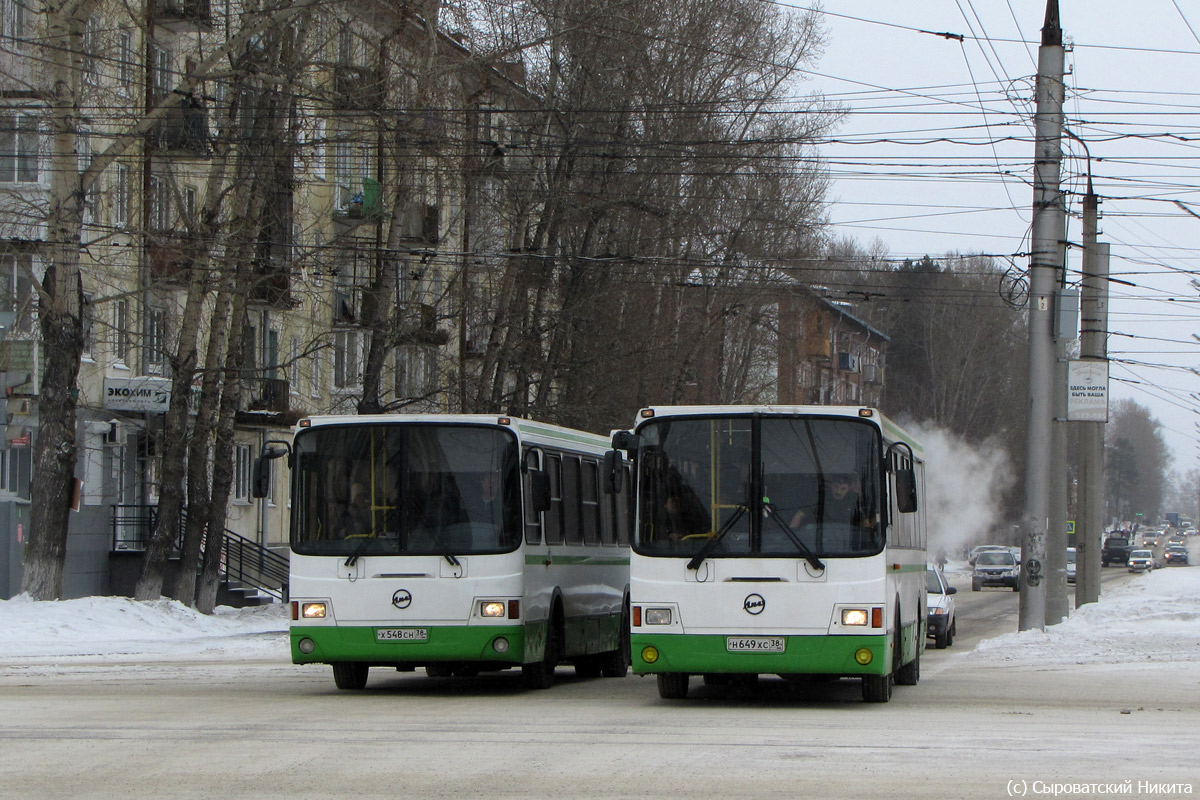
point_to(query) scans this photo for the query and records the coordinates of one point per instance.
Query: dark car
(1176, 555)
(1116, 550)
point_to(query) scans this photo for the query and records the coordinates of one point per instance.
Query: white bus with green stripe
(458, 544)
(776, 540)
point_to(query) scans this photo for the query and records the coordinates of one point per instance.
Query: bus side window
(533, 518)
(554, 517)
(572, 501)
(590, 502)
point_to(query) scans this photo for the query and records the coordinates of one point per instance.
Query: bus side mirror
(539, 490)
(614, 469)
(906, 491)
(624, 440)
(261, 483)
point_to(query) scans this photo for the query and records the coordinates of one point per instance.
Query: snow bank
(119, 626)
(1152, 618)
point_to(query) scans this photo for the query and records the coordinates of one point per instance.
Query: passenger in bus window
(357, 519)
(684, 515)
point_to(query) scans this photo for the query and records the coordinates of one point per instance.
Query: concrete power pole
(1046, 263)
(1089, 527)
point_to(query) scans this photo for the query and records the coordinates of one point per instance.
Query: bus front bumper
(502, 645)
(811, 655)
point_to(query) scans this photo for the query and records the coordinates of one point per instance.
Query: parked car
(940, 605)
(1176, 555)
(983, 548)
(996, 568)
(1141, 561)
(1070, 565)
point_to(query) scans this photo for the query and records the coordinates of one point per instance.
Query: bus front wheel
(672, 685)
(540, 674)
(350, 674)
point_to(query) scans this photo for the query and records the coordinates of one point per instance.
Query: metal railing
(242, 560)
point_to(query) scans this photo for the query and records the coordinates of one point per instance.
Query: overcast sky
(935, 156)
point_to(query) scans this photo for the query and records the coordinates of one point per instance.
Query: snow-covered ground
(1152, 618)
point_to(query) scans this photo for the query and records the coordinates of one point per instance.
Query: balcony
(184, 130)
(266, 394)
(181, 16)
(356, 207)
(356, 89)
(168, 258)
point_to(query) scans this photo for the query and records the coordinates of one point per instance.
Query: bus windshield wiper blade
(809, 555)
(452, 559)
(711, 544)
(358, 551)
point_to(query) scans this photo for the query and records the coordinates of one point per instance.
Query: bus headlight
(500, 644)
(657, 616)
(863, 656)
(650, 655)
(492, 608)
(312, 610)
(855, 616)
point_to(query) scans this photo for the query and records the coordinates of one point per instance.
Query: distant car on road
(1176, 555)
(1116, 550)
(1070, 565)
(983, 548)
(1177, 541)
(1141, 561)
(942, 626)
(996, 568)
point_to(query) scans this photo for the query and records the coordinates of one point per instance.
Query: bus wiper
(712, 543)
(808, 554)
(359, 550)
(452, 559)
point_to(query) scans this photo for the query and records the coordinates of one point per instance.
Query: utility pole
(1089, 527)
(1046, 263)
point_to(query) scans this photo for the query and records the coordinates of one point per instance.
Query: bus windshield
(412, 489)
(786, 486)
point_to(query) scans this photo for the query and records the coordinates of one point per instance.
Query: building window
(120, 199)
(121, 331)
(125, 62)
(88, 312)
(156, 340)
(164, 78)
(241, 473)
(18, 148)
(314, 388)
(13, 17)
(345, 359)
(294, 367)
(416, 371)
(16, 296)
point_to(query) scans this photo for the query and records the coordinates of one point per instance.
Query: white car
(1070, 565)
(943, 626)
(1141, 561)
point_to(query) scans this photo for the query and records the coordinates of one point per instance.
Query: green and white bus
(457, 544)
(776, 540)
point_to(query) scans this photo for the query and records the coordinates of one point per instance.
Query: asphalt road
(268, 729)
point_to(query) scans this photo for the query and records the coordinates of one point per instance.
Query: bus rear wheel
(350, 674)
(672, 685)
